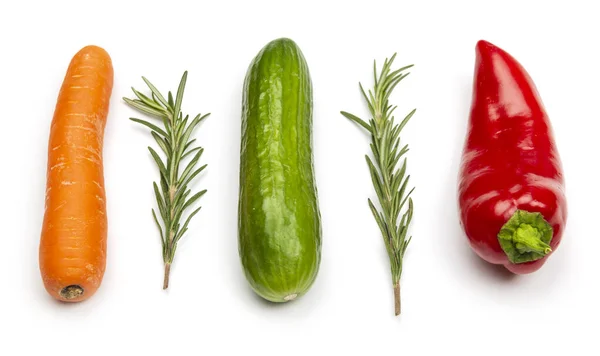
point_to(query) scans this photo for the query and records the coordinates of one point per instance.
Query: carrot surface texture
(72, 253)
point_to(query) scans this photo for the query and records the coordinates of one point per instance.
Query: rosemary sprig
(390, 182)
(173, 196)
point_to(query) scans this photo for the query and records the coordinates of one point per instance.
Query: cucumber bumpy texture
(279, 232)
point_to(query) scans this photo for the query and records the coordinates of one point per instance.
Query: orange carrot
(73, 240)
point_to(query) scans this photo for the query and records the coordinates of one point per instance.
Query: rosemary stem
(167, 273)
(397, 298)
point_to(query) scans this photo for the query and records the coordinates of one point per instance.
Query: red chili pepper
(511, 189)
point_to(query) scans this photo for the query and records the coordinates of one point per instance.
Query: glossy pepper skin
(510, 167)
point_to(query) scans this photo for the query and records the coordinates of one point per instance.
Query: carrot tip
(71, 292)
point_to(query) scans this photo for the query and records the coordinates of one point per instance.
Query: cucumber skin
(279, 232)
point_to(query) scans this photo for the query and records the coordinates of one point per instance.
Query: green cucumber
(279, 230)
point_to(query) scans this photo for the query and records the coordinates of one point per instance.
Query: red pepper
(511, 188)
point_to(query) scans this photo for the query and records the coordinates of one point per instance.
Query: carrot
(72, 252)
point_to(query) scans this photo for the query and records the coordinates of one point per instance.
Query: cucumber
(279, 230)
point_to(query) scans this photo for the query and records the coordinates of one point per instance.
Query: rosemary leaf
(150, 125)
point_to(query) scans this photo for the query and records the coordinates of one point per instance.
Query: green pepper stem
(528, 239)
(525, 237)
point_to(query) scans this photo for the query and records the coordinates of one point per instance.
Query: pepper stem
(529, 239)
(525, 237)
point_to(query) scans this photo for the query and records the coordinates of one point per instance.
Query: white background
(452, 301)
